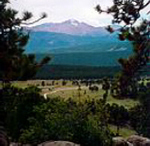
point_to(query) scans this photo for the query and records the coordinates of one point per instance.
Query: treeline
(75, 72)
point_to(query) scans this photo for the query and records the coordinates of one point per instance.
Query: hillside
(68, 45)
(85, 58)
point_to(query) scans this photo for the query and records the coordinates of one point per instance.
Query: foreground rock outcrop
(119, 141)
(49, 143)
(133, 140)
(58, 143)
(139, 141)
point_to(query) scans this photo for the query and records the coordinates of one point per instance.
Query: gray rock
(58, 143)
(146, 143)
(139, 140)
(119, 141)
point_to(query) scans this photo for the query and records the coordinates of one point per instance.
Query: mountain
(71, 27)
(77, 43)
(48, 42)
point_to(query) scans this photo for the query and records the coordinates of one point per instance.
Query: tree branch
(44, 15)
(145, 4)
(30, 23)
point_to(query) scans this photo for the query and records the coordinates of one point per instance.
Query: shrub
(67, 120)
(18, 106)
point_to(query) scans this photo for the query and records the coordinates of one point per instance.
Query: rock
(14, 144)
(58, 143)
(3, 142)
(139, 140)
(3, 138)
(133, 140)
(119, 141)
(146, 143)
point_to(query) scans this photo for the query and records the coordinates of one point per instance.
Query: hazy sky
(61, 10)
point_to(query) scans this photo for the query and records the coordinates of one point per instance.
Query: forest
(75, 72)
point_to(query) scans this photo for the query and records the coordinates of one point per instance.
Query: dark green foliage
(140, 115)
(29, 118)
(75, 72)
(119, 116)
(98, 59)
(64, 83)
(128, 12)
(83, 123)
(140, 120)
(93, 88)
(14, 64)
(17, 107)
(43, 83)
(125, 10)
(105, 84)
(144, 97)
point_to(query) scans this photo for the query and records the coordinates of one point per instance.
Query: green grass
(124, 131)
(80, 96)
(128, 103)
(74, 94)
(20, 84)
(24, 84)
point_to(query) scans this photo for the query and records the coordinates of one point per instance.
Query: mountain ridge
(71, 27)
(77, 44)
(44, 42)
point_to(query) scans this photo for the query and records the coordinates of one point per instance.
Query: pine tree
(14, 63)
(127, 12)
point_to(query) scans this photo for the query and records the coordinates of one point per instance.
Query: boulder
(58, 143)
(139, 140)
(119, 141)
(3, 138)
(146, 143)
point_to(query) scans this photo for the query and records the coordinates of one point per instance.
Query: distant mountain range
(71, 27)
(71, 37)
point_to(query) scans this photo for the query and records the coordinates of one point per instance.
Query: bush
(119, 116)
(67, 120)
(140, 115)
(17, 108)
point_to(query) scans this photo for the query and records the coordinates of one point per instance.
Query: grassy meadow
(55, 88)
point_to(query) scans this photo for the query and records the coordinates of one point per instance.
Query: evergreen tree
(14, 63)
(127, 12)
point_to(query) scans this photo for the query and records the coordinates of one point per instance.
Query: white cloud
(61, 10)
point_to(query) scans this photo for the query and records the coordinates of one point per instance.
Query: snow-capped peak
(73, 22)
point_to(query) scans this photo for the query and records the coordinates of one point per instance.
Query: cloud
(61, 10)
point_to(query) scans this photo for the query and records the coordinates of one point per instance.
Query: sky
(61, 10)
